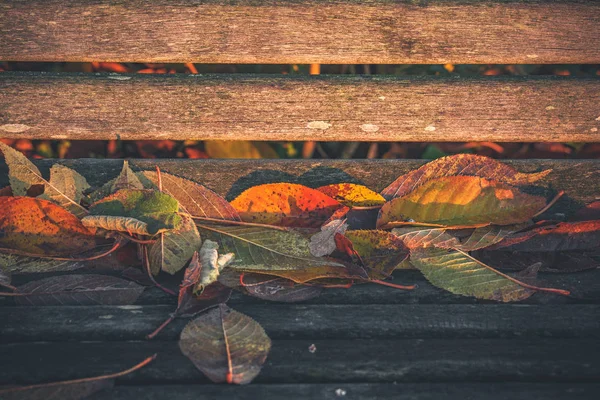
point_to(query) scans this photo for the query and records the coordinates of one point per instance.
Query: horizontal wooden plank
(578, 178)
(584, 286)
(363, 391)
(284, 321)
(302, 31)
(341, 361)
(236, 107)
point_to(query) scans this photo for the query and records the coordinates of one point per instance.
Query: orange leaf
(41, 227)
(285, 204)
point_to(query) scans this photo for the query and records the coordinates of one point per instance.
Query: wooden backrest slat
(266, 107)
(301, 31)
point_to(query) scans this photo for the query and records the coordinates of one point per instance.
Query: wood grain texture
(339, 360)
(363, 391)
(251, 107)
(298, 321)
(302, 31)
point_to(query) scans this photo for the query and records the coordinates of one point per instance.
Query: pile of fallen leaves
(281, 242)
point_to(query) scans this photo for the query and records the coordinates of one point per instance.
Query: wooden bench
(372, 342)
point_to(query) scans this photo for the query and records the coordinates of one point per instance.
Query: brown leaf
(225, 345)
(173, 249)
(416, 237)
(462, 201)
(285, 204)
(79, 290)
(460, 164)
(42, 228)
(194, 198)
(75, 389)
(381, 252)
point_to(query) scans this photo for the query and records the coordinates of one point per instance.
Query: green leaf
(275, 252)
(381, 251)
(461, 201)
(147, 211)
(172, 250)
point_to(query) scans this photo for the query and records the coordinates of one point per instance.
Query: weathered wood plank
(363, 391)
(302, 31)
(102, 106)
(578, 178)
(284, 321)
(341, 361)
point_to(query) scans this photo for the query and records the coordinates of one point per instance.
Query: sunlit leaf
(323, 243)
(173, 249)
(146, 212)
(275, 252)
(126, 179)
(194, 198)
(461, 201)
(89, 289)
(285, 204)
(461, 274)
(225, 345)
(238, 149)
(40, 227)
(66, 188)
(380, 251)
(415, 237)
(353, 195)
(460, 164)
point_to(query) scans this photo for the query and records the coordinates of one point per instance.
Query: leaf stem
(554, 200)
(162, 326)
(384, 283)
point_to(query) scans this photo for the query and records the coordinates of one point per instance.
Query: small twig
(152, 335)
(552, 202)
(6, 285)
(384, 283)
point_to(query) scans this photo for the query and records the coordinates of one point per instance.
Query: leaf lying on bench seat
(225, 345)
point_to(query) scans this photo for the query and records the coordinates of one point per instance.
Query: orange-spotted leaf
(460, 164)
(227, 346)
(40, 227)
(380, 251)
(353, 195)
(461, 201)
(285, 204)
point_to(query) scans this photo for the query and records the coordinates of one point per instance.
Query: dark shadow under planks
(302, 31)
(350, 361)
(283, 321)
(363, 391)
(330, 108)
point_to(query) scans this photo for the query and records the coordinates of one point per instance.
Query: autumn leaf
(22, 174)
(323, 243)
(5, 275)
(238, 149)
(127, 179)
(225, 345)
(564, 236)
(144, 212)
(86, 289)
(415, 237)
(274, 252)
(460, 165)
(75, 389)
(461, 201)
(380, 251)
(39, 227)
(285, 204)
(212, 263)
(353, 195)
(458, 273)
(194, 198)
(173, 249)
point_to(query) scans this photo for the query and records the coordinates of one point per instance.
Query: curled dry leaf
(66, 188)
(173, 249)
(381, 252)
(461, 274)
(353, 195)
(225, 345)
(89, 289)
(285, 204)
(460, 165)
(195, 199)
(39, 227)
(323, 243)
(75, 389)
(211, 264)
(461, 201)
(144, 212)
(273, 252)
